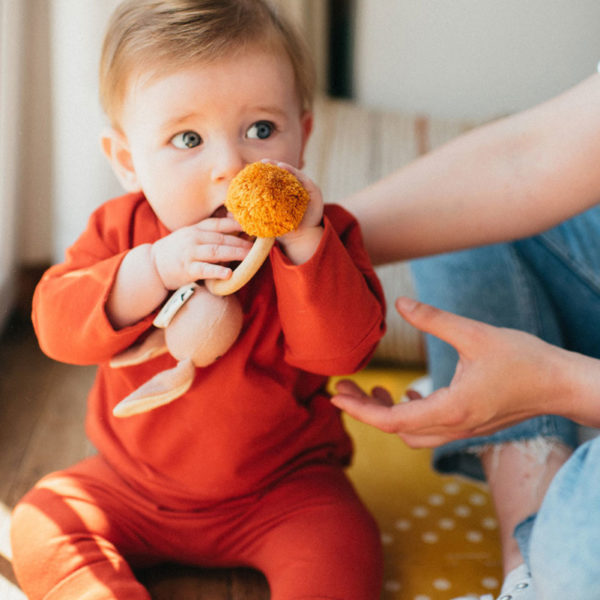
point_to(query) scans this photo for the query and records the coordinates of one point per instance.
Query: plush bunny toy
(200, 323)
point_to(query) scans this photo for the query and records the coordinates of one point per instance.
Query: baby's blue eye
(186, 139)
(261, 130)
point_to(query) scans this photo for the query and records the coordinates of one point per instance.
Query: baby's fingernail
(221, 272)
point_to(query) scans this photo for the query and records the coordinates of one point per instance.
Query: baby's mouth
(220, 213)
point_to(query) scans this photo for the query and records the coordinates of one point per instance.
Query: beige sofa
(353, 146)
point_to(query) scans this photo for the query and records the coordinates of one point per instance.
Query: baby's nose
(228, 162)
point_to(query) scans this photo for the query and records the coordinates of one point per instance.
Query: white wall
(82, 178)
(472, 58)
(11, 21)
(64, 175)
(35, 185)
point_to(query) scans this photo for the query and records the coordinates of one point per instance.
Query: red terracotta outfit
(246, 468)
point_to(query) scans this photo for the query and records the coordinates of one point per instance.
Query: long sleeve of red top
(258, 411)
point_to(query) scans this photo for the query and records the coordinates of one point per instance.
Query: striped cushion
(353, 146)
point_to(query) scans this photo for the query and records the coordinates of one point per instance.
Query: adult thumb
(447, 326)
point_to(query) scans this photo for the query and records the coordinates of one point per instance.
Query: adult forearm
(509, 179)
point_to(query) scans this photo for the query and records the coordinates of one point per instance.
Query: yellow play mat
(439, 533)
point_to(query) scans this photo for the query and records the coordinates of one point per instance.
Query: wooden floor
(42, 406)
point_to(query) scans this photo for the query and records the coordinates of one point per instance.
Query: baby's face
(192, 130)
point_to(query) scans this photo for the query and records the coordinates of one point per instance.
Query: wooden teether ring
(244, 272)
(267, 201)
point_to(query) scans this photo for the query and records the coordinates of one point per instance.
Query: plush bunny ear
(153, 345)
(163, 388)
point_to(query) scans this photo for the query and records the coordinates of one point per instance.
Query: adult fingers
(347, 387)
(424, 441)
(431, 416)
(368, 410)
(413, 394)
(453, 329)
(382, 395)
(390, 419)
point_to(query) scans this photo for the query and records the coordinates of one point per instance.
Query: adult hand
(503, 376)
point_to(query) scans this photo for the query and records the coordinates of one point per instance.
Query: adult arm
(509, 179)
(503, 376)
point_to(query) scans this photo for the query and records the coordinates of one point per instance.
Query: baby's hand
(300, 244)
(314, 212)
(195, 252)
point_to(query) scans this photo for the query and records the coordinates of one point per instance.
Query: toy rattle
(199, 323)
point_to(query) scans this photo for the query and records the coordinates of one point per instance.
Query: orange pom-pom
(266, 200)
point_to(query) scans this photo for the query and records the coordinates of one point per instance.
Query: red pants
(77, 532)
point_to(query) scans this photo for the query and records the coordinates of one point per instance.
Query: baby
(247, 467)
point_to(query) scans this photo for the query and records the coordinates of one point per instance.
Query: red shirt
(259, 411)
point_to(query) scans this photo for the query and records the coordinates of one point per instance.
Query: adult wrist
(579, 389)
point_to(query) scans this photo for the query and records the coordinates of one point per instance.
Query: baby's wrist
(154, 266)
(300, 245)
(136, 291)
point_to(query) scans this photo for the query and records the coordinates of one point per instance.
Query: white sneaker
(517, 586)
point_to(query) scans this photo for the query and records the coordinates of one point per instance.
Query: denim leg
(564, 550)
(567, 260)
(548, 285)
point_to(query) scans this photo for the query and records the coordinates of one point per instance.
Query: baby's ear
(116, 149)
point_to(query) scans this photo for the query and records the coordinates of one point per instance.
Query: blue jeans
(564, 543)
(547, 285)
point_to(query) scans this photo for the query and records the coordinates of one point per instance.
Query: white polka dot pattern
(439, 534)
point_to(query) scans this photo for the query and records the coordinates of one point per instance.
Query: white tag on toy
(174, 303)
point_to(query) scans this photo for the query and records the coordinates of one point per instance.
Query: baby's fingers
(220, 225)
(307, 183)
(219, 253)
(215, 238)
(205, 260)
(204, 270)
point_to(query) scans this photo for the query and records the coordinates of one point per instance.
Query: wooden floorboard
(42, 404)
(42, 411)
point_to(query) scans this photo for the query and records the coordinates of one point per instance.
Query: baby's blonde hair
(159, 36)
